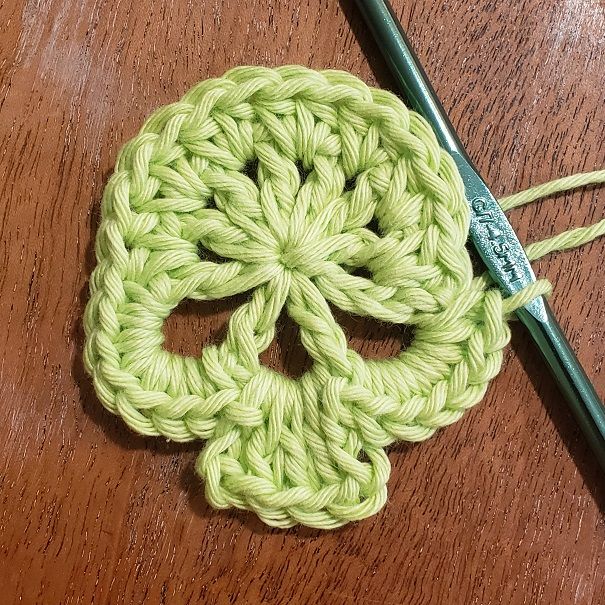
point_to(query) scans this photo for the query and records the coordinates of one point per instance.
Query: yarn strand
(571, 238)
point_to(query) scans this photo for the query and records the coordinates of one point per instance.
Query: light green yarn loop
(220, 172)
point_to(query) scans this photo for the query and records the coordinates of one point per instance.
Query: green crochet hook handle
(490, 231)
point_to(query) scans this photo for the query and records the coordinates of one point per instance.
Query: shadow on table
(558, 411)
(112, 426)
(368, 46)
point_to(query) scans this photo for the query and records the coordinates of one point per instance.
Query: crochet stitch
(219, 171)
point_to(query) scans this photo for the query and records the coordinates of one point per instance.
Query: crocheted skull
(310, 450)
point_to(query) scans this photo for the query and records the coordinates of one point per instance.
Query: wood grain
(503, 507)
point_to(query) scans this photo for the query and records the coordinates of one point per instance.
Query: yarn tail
(572, 238)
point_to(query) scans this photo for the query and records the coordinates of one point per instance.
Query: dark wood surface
(503, 507)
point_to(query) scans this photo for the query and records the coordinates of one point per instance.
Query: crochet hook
(490, 232)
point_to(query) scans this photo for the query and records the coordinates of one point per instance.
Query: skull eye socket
(195, 324)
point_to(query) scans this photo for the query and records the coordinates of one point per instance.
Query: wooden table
(502, 507)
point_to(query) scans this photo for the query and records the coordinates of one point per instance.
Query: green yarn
(311, 450)
(569, 239)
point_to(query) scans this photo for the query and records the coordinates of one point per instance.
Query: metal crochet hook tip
(490, 232)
